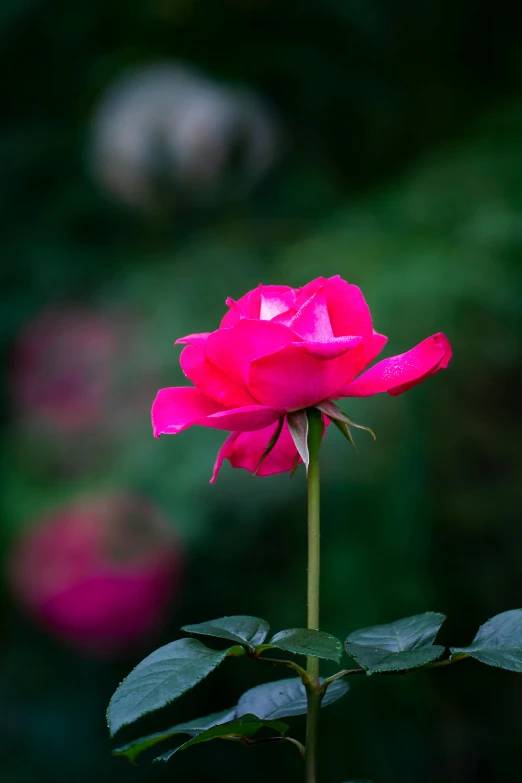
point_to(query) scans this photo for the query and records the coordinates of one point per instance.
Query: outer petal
(378, 343)
(400, 373)
(212, 381)
(177, 408)
(193, 339)
(290, 379)
(246, 419)
(224, 452)
(245, 449)
(232, 350)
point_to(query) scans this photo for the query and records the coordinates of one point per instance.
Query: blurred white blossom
(166, 129)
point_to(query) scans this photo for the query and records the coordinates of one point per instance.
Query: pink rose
(100, 573)
(278, 350)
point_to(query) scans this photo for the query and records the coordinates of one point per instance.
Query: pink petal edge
(193, 339)
(177, 408)
(400, 373)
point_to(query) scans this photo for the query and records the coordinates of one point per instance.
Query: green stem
(313, 689)
(393, 672)
(291, 664)
(312, 731)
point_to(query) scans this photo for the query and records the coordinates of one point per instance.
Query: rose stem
(315, 434)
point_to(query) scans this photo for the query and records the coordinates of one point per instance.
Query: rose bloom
(282, 349)
(99, 573)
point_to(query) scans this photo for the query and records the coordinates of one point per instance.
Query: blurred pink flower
(62, 367)
(282, 349)
(99, 573)
(79, 373)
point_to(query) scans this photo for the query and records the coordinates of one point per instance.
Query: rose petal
(224, 452)
(245, 449)
(378, 343)
(193, 339)
(177, 408)
(235, 314)
(290, 379)
(232, 350)
(245, 419)
(400, 373)
(312, 321)
(331, 349)
(349, 313)
(263, 303)
(309, 290)
(276, 301)
(211, 380)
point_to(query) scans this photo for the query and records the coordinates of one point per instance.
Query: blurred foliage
(403, 173)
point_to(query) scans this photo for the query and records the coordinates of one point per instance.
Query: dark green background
(403, 173)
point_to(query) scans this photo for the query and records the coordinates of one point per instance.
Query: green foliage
(403, 644)
(303, 641)
(193, 727)
(244, 727)
(175, 668)
(257, 708)
(160, 678)
(242, 629)
(497, 643)
(395, 647)
(284, 698)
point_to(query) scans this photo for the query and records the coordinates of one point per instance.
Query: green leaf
(284, 698)
(245, 726)
(404, 644)
(241, 628)
(298, 426)
(160, 678)
(498, 642)
(304, 641)
(338, 417)
(135, 748)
